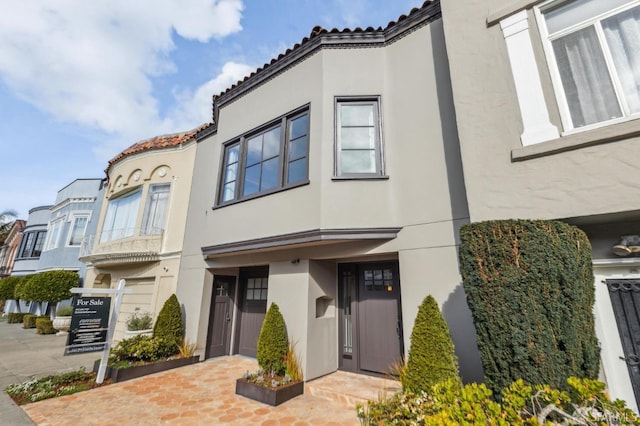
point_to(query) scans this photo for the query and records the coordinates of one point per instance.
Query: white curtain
(120, 218)
(587, 85)
(586, 78)
(622, 32)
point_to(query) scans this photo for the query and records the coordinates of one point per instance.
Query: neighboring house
(547, 97)
(74, 215)
(30, 249)
(32, 241)
(331, 184)
(141, 223)
(10, 247)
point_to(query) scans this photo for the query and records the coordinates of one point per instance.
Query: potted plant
(139, 323)
(62, 321)
(280, 376)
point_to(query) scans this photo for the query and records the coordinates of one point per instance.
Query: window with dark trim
(31, 244)
(273, 157)
(358, 138)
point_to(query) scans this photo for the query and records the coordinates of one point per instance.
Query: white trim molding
(533, 109)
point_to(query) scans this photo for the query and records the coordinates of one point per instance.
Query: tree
(530, 288)
(8, 289)
(272, 342)
(431, 358)
(169, 323)
(7, 218)
(49, 286)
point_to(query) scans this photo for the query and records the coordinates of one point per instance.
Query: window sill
(603, 135)
(342, 178)
(260, 195)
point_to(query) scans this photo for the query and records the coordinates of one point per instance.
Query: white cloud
(91, 62)
(195, 106)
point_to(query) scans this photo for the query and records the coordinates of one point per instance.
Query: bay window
(155, 211)
(266, 160)
(121, 216)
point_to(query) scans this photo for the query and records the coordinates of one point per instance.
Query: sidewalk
(25, 355)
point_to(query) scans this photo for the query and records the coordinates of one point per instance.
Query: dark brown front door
(625, 298)
(253, 307)
(219, 337)
(371, 324)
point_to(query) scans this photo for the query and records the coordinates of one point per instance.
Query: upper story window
(53, 236)
(121, 216)
(595, 46)
(358, 138)
(31, 244)
(155, 210)
(78, 226)
(271, 158)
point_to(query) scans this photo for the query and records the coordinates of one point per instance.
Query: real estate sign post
(90, 331)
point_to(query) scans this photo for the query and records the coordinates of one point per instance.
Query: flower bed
(52, 386)
(269, 390)
(120, 372)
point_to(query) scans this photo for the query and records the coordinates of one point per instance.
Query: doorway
(625, 298)
(252, 308)
(219, 335)
(370, 317)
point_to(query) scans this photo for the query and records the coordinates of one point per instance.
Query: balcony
(122, 246)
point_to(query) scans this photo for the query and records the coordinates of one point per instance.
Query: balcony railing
(122, 246)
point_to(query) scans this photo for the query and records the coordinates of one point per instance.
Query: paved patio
(204, 393)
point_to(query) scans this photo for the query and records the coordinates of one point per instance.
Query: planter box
(268, 395)
(128, 373)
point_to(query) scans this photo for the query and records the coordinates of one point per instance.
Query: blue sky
(82, 80)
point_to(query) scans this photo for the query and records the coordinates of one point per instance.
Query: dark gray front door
(253, 307)
(625, 298)
(219, 338)
(371, 324)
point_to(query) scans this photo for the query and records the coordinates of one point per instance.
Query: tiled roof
(158, 142)
(319, 31)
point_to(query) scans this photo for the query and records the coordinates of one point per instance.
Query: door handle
(631, 360)
(228, 318)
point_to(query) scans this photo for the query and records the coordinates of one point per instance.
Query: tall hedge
(272, 342)
(169, 323)
(530, 288)
(431, 357)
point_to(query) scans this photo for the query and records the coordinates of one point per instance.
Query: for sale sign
(89, 325)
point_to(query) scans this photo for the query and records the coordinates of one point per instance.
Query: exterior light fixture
(628, 244)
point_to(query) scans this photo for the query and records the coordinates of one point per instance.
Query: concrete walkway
(25, 355)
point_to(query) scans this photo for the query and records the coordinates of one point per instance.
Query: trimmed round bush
(530, 287)
(45, 326)
(431, 357)
(8, 286)
(50, 286)
(272, 342)
(169, 323)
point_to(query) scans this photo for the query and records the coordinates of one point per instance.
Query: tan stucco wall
(177, 164)
(593, 180)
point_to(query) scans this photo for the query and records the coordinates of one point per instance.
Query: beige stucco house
(331, 184)
(547, 99)
(142, 222)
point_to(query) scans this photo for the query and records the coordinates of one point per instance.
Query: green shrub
(52, 386)
(29, 321)
(169, 323)
(530, 288)
(15, 318)
(64, 311)
(272, 342)
(431, 357)
(45, 326)
(143, 348)
(140, 321)
(448, 403)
